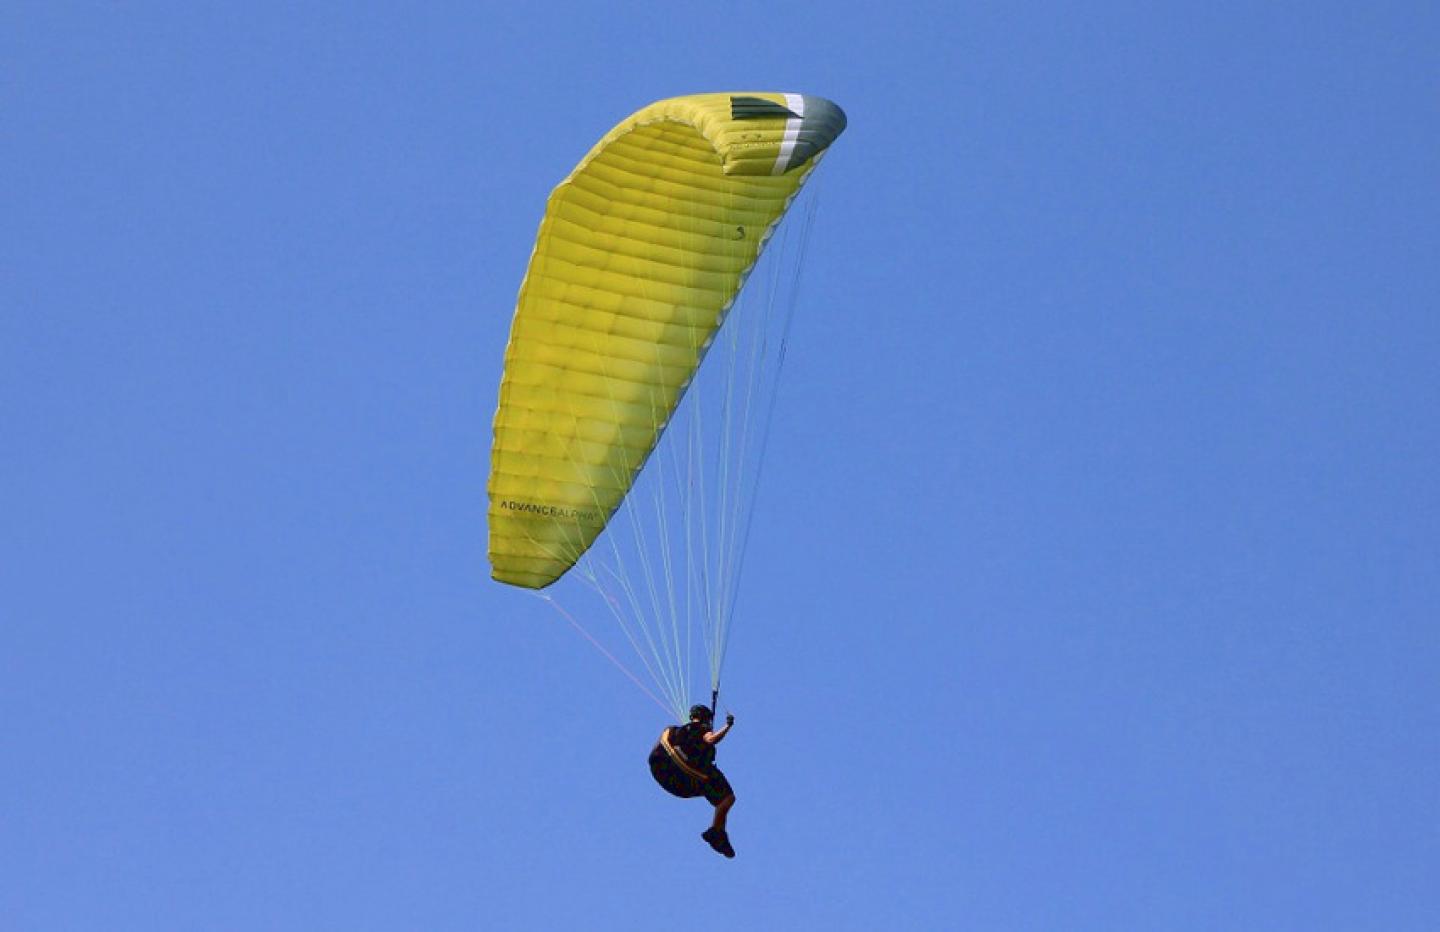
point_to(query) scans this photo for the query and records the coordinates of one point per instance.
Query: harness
(678, 757)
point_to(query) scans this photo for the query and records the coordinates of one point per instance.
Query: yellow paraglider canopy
(641, 252)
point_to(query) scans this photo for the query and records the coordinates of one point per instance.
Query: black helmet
(701, 712)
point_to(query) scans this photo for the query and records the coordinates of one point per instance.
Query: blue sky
(1094, 578)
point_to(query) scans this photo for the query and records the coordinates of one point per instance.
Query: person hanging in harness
(683, 762)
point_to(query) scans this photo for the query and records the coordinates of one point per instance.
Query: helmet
(701, 712)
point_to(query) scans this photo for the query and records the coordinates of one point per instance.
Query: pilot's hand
(729, 719)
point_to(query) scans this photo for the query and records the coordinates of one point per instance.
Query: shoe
(717, 839)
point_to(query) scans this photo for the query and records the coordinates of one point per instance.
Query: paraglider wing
(641, 252)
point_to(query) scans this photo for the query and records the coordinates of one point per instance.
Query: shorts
(677, 782)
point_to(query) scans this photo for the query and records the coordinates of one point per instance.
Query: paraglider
(641, 255)
(683, 763)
